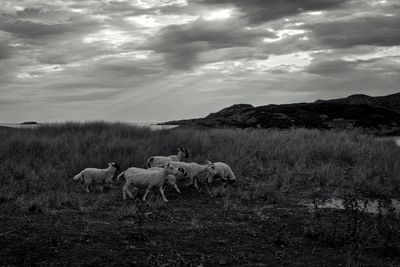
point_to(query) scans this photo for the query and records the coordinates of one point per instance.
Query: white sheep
(193, 170)
(223, 171)
(148, 178)
(157, 161)
(97, 176)
(171, 180)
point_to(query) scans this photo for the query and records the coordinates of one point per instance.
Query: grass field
(257, 220)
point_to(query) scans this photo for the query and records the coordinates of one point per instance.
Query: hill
(389, 101)
(378, 115)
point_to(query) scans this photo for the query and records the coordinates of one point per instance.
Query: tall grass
(43, 160)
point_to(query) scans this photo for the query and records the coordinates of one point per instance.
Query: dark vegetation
(375, 115)
(47, 218)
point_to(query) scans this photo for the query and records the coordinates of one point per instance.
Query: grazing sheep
(97, 176)
(157, 161)
(148, 178)
(223, 171)
(193, 170)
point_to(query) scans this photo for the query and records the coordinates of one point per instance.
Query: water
(17, 125)
(152, 126)
(365, 205)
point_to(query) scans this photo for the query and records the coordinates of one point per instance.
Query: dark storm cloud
(6, 51)
(259, 11)
(26, 29)
(354, 68)
(181, 44)
(369, 30)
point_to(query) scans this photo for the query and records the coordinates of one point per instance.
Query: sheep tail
(120, 175)
(78, 176)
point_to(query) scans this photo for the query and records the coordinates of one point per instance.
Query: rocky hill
(379, 115)
(389, 101)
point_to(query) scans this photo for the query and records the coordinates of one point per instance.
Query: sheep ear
(168, 164)
(209, 162)
(116, 165)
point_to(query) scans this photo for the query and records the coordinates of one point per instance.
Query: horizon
(157, 61)
(156, 122)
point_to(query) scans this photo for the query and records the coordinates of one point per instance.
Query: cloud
(27, 29)
(368, 30)
(334, 67)
(260, 11)
(181, 44)
(88, 97)
(6, 51)
(348, 68)
(127, 60)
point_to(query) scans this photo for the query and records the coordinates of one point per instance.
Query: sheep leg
(125, 191)
(173, 183)
(208, 188)
(190, 181)
(209, 178)
(195, 184)
(177, 189)
(85, 187)
(162, 194)
(145, 194)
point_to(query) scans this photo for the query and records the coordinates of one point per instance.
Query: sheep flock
(160, 170)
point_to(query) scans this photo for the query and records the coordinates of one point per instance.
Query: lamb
(222, 170)
(157, 161)
(97, 176)
(148, 178)
(193, 170)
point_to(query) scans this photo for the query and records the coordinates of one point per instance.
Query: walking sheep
(223, 171)
(193, 170)
(148, 178)
(157, 161)
(96, 176)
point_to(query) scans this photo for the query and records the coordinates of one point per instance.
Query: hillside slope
(377, 114)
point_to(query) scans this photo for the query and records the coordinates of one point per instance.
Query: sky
(159, 60)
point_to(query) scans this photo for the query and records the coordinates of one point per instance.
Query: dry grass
(41, 162)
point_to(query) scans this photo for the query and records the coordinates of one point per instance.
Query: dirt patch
(190, 230)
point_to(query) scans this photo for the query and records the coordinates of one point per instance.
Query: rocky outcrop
(375, 114)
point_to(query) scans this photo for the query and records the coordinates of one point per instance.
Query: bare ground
(190, 230)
